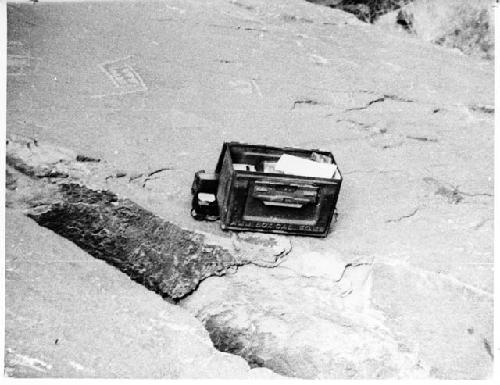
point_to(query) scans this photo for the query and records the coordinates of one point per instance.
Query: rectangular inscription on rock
(123, 76)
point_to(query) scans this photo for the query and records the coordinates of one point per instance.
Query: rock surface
(410, 125)
(306, 327)
(159, 254)
(70, 315)
(450, 323)
(365, 319)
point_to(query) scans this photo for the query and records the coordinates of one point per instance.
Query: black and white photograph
(266, 190)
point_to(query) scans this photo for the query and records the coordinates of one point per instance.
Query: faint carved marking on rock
(18, 65)
(123, 76)
(17, 48)
(13, 44)
(19, 60)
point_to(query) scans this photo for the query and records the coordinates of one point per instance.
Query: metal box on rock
(260, 199)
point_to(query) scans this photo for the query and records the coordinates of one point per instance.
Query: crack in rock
(394, 145)
(379, 100)
(305, 324)
(309, 102)
(452, 193)
(84, 158)
(422, 138)
(403, 216)
(373, 171)
(238, 27)
(488, 349)
(147, 176)
(306, 327)
(118, 174)
(483, 108)
(482, 223)
(364, 126)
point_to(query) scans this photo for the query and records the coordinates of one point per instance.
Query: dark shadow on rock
(365, 10)
(158, 254)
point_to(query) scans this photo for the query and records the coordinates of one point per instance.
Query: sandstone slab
(71, 315)
(159, 254)
(307, 326)
(411, 124)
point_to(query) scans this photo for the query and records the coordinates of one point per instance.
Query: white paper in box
(294, 165)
